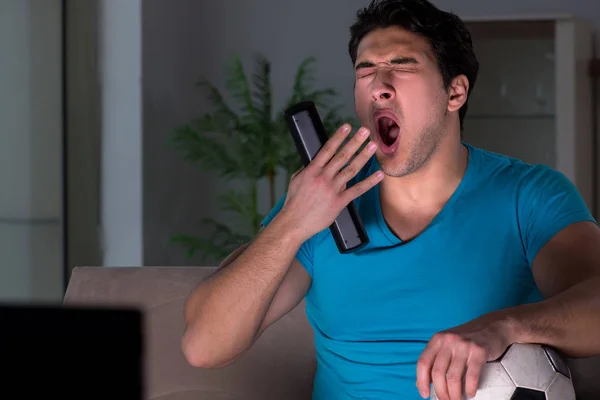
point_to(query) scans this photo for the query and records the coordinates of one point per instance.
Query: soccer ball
(524, 372)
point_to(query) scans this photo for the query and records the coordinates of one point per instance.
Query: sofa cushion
(279, 366)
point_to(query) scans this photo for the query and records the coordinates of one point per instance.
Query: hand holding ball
(525, 372)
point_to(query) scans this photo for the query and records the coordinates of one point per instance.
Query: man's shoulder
(530, 185)
(505, 171)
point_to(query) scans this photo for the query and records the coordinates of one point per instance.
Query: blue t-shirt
(373, 311)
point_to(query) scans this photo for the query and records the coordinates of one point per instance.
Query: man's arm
(253, 287)
(561, 242)
(228, 311)
(567, 272)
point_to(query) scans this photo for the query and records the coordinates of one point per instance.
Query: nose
(382, 94)
(382, 89)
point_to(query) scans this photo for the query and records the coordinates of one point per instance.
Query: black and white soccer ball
(525, 372)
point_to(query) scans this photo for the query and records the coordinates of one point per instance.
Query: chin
(391, 167)
(394, 167)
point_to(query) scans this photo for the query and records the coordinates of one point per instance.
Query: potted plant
(247, 144)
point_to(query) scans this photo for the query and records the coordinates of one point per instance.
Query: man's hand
(461, 352)
(318, 193)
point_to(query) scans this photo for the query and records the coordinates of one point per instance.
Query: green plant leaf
(303, 81)
(238, 203)
(290, 162)
(221, 241)
(239, 87)
(195, 245)
(262, 93)
(250, 143)
(207, 152)
(223, 111)
(224, 235)
(322, 98)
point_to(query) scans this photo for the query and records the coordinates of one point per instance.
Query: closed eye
(365, 72)
(401, 64)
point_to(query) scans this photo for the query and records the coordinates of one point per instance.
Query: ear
(458, 92)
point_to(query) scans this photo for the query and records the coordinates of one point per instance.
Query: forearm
(199, 295)
(568, 321)
(227, 309)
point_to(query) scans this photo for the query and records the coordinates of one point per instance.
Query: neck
(433, 184)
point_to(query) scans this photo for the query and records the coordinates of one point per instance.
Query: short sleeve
(547, 203)
(305, 253)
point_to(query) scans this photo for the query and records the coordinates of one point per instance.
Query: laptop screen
(71, 352)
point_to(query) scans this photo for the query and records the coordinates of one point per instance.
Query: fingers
(424, 365)
(443, 364)
(362, 187)
(357, 163)
(346, 153)
(438, 372)
(475, 364)
(330, 147)
(455, 374)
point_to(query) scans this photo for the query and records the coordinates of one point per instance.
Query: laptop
(71, 352)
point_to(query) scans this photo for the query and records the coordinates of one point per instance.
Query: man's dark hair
(446, 33)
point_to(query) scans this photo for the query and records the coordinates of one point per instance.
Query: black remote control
(309, 136)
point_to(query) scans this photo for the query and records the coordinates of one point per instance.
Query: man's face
(399, 95)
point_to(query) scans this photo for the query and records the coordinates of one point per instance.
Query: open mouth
(388, 130)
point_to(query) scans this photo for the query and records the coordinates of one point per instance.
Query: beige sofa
(280, 365)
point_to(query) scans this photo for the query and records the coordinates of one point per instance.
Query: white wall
(121, 171)
(30, 150)
(184, 39)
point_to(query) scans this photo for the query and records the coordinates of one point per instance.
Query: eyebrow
(396, 61)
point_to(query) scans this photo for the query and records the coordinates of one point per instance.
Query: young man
(469, 251)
